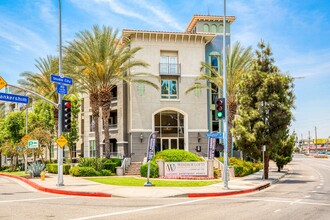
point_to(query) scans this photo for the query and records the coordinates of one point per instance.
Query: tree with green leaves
(13, 129)
(265, 101)
(282, 154)
(101, 61)
(238, 64)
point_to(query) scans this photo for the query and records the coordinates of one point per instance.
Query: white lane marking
(321, 184)
(277, 210)
(296, 201)
(142, 209)
(314, 191)
(318, 187)
(280, 201)
(307, 196)
(37, 199)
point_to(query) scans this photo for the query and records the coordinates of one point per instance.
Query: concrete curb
(58, 191)
(228, 193)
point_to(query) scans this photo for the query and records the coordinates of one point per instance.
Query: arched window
(206, 28)
(213, 28)
(170, 127)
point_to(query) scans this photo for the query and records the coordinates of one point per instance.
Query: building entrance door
(169, 143)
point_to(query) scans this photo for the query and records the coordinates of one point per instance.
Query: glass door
(169, 143)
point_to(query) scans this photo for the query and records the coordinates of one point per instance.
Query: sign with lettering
(14, 98)
(177, 169)
(33, 144)
(58, 79)
(62, 89)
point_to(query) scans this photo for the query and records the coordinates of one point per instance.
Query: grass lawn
(132, 181)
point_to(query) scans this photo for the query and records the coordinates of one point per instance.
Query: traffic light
(220, 108)
(66, 116)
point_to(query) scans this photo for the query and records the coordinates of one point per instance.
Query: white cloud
(48, 13)
(142, 11)
(22, 38)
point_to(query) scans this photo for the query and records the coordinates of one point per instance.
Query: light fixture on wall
(141, 137)
(199, 137)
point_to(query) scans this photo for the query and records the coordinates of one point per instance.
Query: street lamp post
(225, 121)
(59, 130)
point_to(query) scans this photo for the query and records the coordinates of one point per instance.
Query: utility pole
(225, 121)
(309, 140)
(316, 141)
(59, 130)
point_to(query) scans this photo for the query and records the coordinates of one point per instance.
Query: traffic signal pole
(225, 120)
(60, 181)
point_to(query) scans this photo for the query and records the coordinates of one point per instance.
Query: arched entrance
(170, 127)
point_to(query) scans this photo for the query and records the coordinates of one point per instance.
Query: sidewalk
(82, 187)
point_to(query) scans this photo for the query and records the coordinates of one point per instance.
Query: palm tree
(101, 62)
(40, 82)
(238, 62)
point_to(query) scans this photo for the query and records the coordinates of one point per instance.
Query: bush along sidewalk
(95, 167)
(242, 167)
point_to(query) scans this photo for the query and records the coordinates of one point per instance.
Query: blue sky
(297, 30)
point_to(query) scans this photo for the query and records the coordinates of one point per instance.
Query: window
(213, 28)
(169, 89)
(92, 148)
(215, 62)
(206, 28)
(91, 124)
(169, 63)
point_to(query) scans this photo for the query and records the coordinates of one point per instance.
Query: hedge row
(88, 171)
(53, 168)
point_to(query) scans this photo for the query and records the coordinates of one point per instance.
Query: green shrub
(242, 167)
(105, 172)
(177, 156)
(153, 170)
(238, 171)
(117, 161)
(216, 173)
(95, 163)
(83, 171)
(109, 165)
(52, 168)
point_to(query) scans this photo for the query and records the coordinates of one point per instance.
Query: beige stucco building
(180, 119)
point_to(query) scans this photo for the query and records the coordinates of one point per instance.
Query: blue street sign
(58, 79)
(62, 89)
(214, 135)
(14, 98)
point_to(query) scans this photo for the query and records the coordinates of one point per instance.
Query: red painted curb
(58, 191)
(229, 193)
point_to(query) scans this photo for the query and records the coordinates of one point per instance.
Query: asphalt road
(303, 194)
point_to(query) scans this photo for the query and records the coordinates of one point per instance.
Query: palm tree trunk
(105, 101)
(232, 107)
(105, 117)
(93, 97)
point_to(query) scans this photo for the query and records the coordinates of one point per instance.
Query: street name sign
(58, 79)
(62, 89)
(3, 83)
(32, 144)
(14, 98)
(214, 135)
(61, 141)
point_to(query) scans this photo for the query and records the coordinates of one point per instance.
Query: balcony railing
(170, 69)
